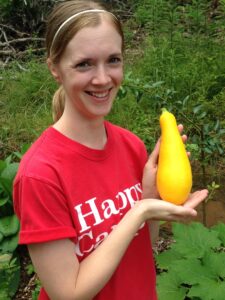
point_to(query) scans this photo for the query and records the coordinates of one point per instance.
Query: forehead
(95, 39)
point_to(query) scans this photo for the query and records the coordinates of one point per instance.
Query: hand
(155, 209)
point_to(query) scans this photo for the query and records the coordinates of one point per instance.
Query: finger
(196, 198)
(179, 211)
(180, 127)
(184, 138)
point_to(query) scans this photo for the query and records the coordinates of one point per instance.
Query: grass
(25, 103)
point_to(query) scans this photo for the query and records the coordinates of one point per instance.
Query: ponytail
(58, 104)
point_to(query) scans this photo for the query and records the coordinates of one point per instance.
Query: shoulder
(38, 162)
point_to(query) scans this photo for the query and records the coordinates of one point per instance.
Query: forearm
(153, 225)
(100, 265)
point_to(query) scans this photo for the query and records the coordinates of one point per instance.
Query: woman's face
(91, 70)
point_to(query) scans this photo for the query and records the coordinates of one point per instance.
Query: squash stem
(164, 110)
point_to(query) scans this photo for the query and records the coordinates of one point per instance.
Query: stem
(204, 204)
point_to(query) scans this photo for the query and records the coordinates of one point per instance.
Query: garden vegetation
(175, 58)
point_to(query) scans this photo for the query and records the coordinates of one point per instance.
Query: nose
(101, 76)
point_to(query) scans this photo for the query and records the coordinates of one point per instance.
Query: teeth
(99, 95)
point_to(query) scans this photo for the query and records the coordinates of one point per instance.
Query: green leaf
(190, 270)
(23, 150)
(10, 276)
(215, 262)
(10, 171)
(3, 294)
(3, 165)
(197, 108)
(5, 259)
(9, 225)
(167, 258)
(14, 276)
(3, 201)
(1, 237)
(208, 289)
(6, 185)
(192, 240)
(169, 287)
(8, 245)
(220, 229)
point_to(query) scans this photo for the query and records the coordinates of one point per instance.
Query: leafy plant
(212, 188)
(10, 275)
(193, 268)
(8, 170)
(9, 228)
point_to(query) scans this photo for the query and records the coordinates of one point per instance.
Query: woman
(85, 192)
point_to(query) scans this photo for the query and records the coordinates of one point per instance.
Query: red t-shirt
(66, 190)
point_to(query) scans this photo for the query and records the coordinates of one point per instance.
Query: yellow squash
(174, 176)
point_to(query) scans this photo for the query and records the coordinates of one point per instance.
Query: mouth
(101, 95)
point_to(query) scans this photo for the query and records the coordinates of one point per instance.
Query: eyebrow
(116, 54)
(91, 58)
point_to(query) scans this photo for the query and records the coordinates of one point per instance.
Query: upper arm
(57, 267)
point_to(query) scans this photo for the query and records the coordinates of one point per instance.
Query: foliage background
(174, 58)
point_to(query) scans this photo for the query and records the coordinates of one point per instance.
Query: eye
(84, 65)
(115, 60)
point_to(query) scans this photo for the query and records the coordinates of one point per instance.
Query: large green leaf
(9, 225)
(165, 259)
(215, 264)
(192, 240)
(220, 229)
(169, 287)
(190, 270)
(208, 289)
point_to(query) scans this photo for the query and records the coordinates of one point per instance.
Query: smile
(100, 95)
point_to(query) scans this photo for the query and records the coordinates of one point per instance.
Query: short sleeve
(43, 211)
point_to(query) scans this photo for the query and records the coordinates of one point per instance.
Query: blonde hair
(56, 43)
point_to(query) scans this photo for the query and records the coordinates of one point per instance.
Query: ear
(54, 70)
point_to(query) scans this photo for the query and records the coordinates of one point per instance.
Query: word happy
(91, 214)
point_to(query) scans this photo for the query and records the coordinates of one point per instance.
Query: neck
(89, 132)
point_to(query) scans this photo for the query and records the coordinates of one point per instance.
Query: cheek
(118, 76)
